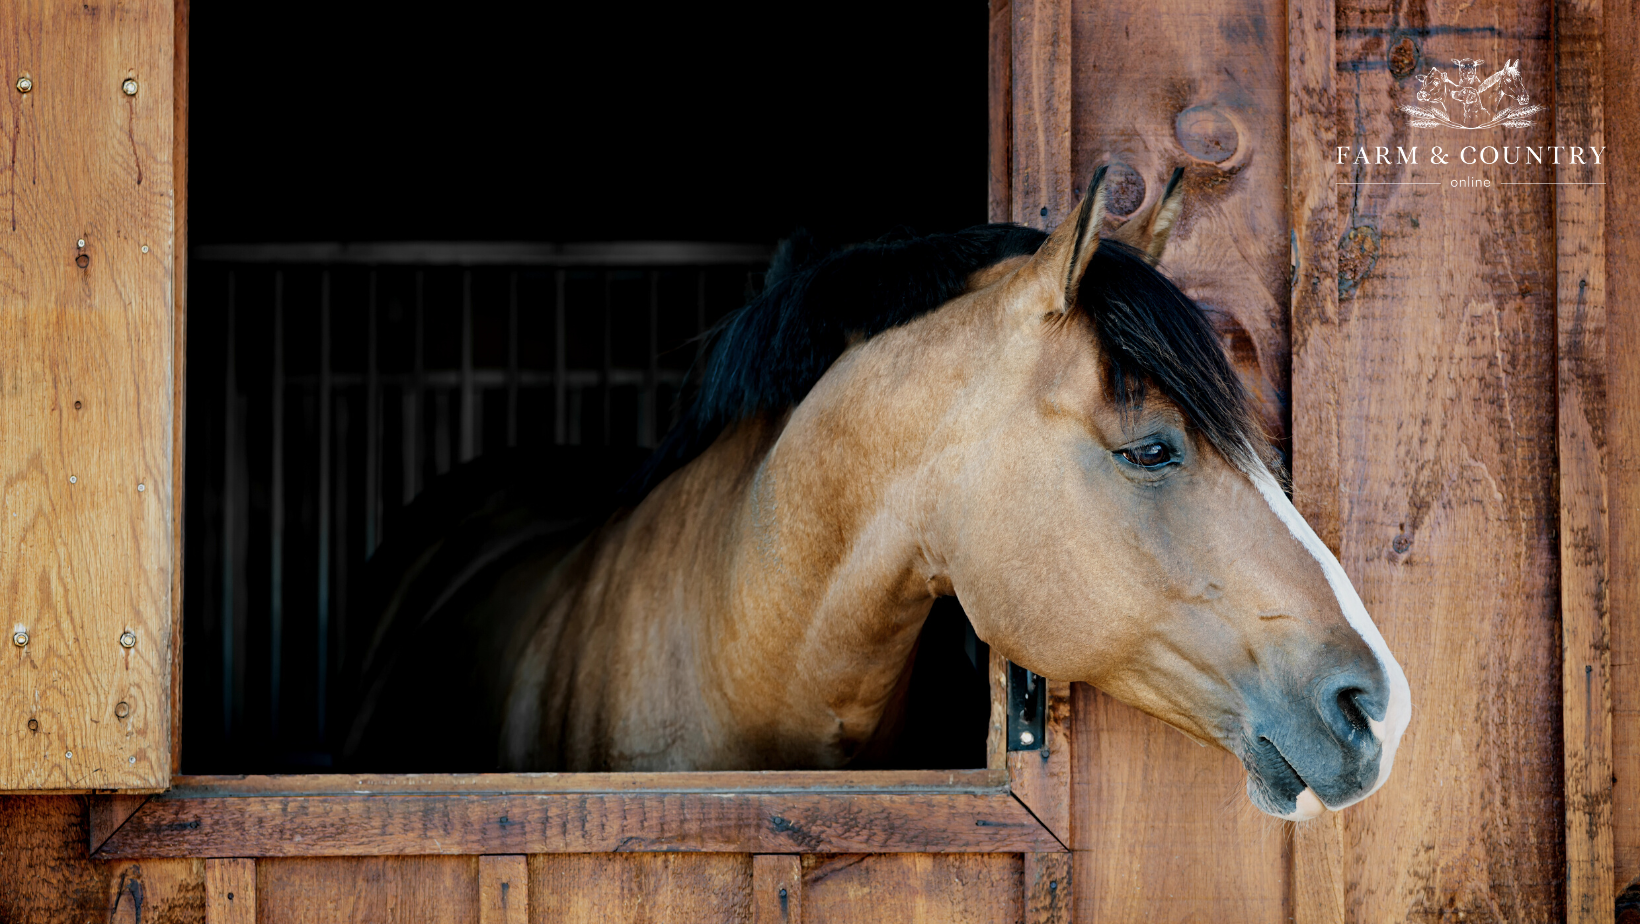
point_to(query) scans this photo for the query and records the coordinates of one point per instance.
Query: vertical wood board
(777, 888)
(504, 890)
(911, 887)
(230, 891)
(367, 890)
(84, 561)
(641, 888)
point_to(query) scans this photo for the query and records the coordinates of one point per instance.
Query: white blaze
(1399, 711)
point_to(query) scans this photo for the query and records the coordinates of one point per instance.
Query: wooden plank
(1148, 853)
(230, 891)
(996, 734)
(1158, 824)
(804, 781)
(1040, 79)
(1446, 476)
(1318, 875)
(86, 560)
(777, 889)
(1580, 313)
(1000, 86)
(1622, 129)
(181, 12)
(504, 890)
(367, 890)
(699, 888)
(1042, 778)
(364, 825)
(47, 877)
(107, 813)
(1047, 885)
(970, 888)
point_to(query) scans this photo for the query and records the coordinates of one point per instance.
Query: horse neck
(828, 584)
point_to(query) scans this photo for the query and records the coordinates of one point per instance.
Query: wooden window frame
(1018, 803)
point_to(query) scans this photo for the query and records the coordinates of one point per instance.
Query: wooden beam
(1001, 122)
(777, 889)
(504, 889)
(732, 781)
(1047, 885)
(1040, 80)
(230, 891)
(1042, 778)
(735, 822)
(1580, 315)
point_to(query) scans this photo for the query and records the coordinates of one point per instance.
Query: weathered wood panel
(777, 889)
(46, 876)
(1584, 451)
(368, 825)
(1161, 826)
(1158, 825)
(1622, 232)
(907, 888)
(1444, 391)
(640, 888)
(1047, 888)
(504, 890)
(86, 341)
(1042, 778)
(230, 891)
(367, 890)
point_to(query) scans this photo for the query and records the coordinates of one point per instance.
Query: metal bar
(322, 659)
(230, 496)
(560, 365)
(497, 253)
(649, 407)
(469, 442)
(512, 359)
(373, 434)
(412, 407)
(609, 285)
(276, 579)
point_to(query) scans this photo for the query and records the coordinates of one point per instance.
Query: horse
(1510, 92)
(1042, 426)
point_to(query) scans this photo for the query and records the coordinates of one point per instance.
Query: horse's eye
(1150, 455)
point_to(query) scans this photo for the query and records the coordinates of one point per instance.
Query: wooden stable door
(89, 409)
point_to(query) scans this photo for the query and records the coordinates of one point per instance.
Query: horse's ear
(1064, 256)
(1148, 231)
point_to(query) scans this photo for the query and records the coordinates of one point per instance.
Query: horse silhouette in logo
(1505, 90)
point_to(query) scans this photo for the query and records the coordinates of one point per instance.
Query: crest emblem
(1470, 102)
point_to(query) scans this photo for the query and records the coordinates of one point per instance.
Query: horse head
(1108, 514)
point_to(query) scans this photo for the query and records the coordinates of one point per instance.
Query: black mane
(765, 357)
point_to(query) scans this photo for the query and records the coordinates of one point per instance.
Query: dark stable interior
(325, 398)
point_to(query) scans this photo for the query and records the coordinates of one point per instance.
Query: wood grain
(999, 86)
(46, 876)
(180, 76)
(750, 781)
(230, 891)
(996, 734)
(81, 562)
(365, 825)
(1445, 398)
(1161, 827)
(1042, 779)
(1047, 888)
(504, 890)
(107, 813)
(367, 890)
(1622, 233)
(1040, 195)
(777, 889)
(959, 889)
(1580, 290)
(641, 888)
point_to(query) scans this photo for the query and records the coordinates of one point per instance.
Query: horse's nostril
(1350, 708)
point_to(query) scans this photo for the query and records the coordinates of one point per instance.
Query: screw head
(128, 639)
(80, 242)
(145, 248)
(24, 84)
(129, 86)
(1027, 738)
(20, 639)
(69, 755)
(132, 760)
(142, 487)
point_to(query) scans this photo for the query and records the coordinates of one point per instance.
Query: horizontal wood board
(86, 398)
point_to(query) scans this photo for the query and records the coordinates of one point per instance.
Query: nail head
(69, 754)
(73, 479)
(129, 86)
(132, 760)
(1026, 738)
(80, 242)
(128, 639)
(145, 248)
(142, 487)
(20, 639)
(24, 84)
